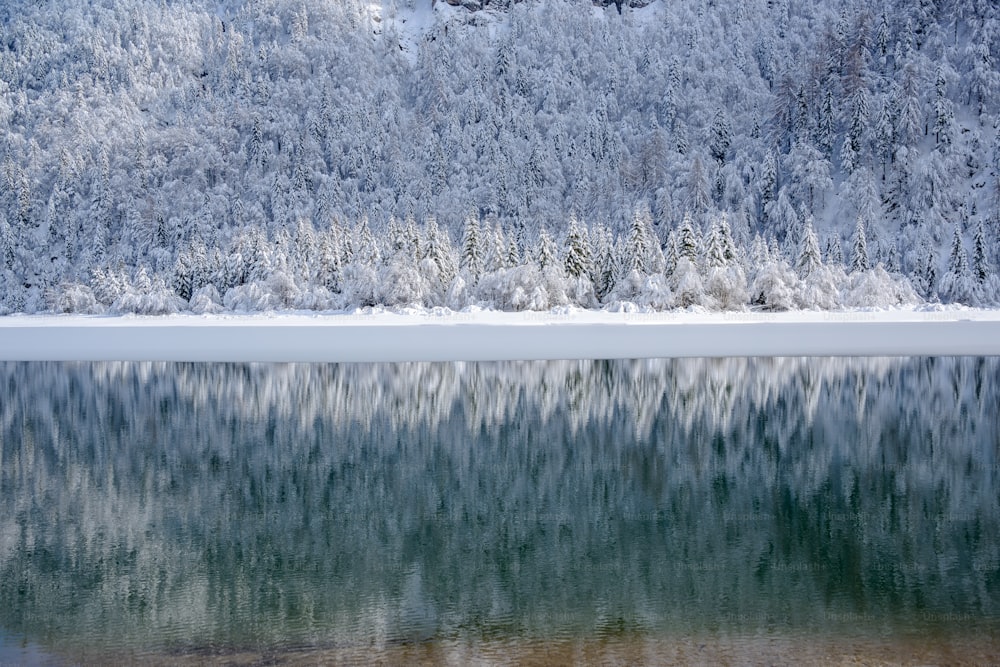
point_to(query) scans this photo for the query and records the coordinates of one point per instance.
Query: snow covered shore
(495, 336)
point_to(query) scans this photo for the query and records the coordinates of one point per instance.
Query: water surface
(735, 510)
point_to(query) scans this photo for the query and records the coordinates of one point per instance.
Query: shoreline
(497, 336)
(737, 649)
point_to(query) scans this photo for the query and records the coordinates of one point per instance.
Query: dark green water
(178, 510)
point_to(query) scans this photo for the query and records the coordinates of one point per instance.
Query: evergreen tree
(980, 259)
(496, 256)
(698, 198)
(513, 252)
(183, 282)
(826, 130)
(546, 254)
(929, 271)
(944, 111)
(438, 251)
(768, 182)
(809, 258)
(687, 246)
(857, 130)
(834, 251)
(6, 245)
(603, 275)
(367, 248)
(671, 255)
(719, 137)
(957, 284)
(472, 250)
(859, 249)
(577, 251)
(715, 250)
(642, 249)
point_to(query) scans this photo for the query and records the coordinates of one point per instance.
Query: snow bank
(493, 336)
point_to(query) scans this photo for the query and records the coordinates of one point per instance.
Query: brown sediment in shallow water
(981, 650)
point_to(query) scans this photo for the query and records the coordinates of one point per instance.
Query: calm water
(568, 511)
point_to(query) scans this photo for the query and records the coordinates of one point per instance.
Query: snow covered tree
(980, 259)
(877, 289)
(957, 283)
(983, 81)
(768, 182)
(439, 251)
(698, 197)
(810, 174)
(775, 285)
(642, 250)
(546, 253)
(834, 251)
(577, 251)
(725, 281)
(809, 259)
(687, 285)
(944, 110)
(859, 249)
(719, 137)
(687, 240)
(496, 249)
(472, 253)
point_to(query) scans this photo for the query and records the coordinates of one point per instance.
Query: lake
(696, 510)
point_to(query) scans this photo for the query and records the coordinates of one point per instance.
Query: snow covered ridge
(476, 335)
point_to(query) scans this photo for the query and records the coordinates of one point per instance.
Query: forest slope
(274, 153)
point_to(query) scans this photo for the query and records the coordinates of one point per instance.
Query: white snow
(442, 335)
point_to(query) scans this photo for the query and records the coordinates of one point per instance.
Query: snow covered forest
(159, 156)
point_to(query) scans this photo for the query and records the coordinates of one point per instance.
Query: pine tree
(6, 245)
(183, 282)
(472, 249)
(578, 252)
(687, 240)
(546, 253)
(768, 179)
(809, 259)
(439, 251)
(637, 246)
(944, 111)
(715, 251)
(513, 253)
(603, 271)
(826, 130)
(957, 282)
(330, 267)
(671, 255)
(980, 260)
(834, 251)
(859, 249)
(857, 129)
(885, 136)
(928, 271)
(698, 198)
(720, 137)
(890, 257)
(367, 248)
(882, 36)
(496, 256)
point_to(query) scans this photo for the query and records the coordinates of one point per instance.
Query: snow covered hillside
(253, 155)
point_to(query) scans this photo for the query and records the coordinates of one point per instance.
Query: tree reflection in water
(186, 506)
